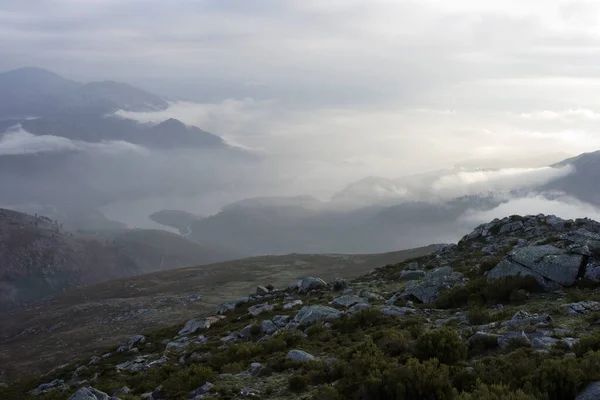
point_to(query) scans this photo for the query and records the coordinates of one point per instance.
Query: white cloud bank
(18, 141)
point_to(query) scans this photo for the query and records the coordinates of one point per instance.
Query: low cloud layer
(17, 141)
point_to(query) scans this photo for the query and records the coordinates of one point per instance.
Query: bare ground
(83, 321)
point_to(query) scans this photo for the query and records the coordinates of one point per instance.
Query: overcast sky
(351, 87)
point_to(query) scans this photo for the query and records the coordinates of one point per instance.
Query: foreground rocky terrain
(83, 321)
(510, 312)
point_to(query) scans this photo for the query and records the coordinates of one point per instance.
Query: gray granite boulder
(131, 343)
(299, 355)
(194, 325)
(411, 275)
(435, 281)
(591, 392)
(347, 301)
(90, 394)
(259, 309)
(312, 314)
(311, 283)
(268, 327)
(292, 304)
(511, 336)
(550, 266)
(397, 311)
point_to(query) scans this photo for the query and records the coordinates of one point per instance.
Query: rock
(512, 227)
(411, 275)
(57, 384)
(90, 394)
(259, 309)
(582, 307)
(195, 324)
(256, 368)
(365, 293)
(249, 392)
(311, 283)
(159, 393)
(506, 339)
(281, 320)
(591, 392)
(94, 360)
(340, 284)
(312, 314)
(570, 342)
(292, 304)
(246, 332)
(201, 391)
(397, 311)
(140, 363)
(132, 342)
(358, 307)
(268, 327)
(427, 290)
(232, 337)
(347, 301)
(261, 291)
(299, 355)
(226, 307)
(123, 390)
(524, 318)
(550, 266)
(543, 342)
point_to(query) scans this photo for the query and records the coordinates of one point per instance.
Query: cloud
(564, 207)
(18, 141)
(566, 115)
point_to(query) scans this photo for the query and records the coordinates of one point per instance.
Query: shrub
(590, 343)
(482, 344)
(327, 393)
(394, 343)
(444, 344)
(416, 380)
(479, 316)
(366, 318)
(298, 382)
(188, 379)
(559, 379)
(494, 392)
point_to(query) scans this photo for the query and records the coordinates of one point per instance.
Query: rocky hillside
(510, 312)
(40, 258)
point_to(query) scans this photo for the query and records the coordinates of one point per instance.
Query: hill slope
(40, 259)
(84, 320)
(510, 312)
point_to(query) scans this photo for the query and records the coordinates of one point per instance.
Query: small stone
(292, 304)
(347, 301)
(259, 309)
(123, 390)
(268, 327)
(281, 320)
(256, 368)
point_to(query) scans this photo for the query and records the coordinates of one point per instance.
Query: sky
(339, 90)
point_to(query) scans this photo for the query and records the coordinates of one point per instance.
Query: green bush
(366, 318)
(479, 316)
(393, 342)
(559, 379)
(327, 393)
(298, 382)
(188, 379)
(590, 343)
(416, 380)
(481, 344)
(494, 392)
(444, 344)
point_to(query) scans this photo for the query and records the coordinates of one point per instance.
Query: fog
(365, 103)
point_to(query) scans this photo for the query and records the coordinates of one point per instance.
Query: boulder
(141, 363)
(227, 307)
(582, 307)
(357, 307)
(312, 314)
(367, 294)
(90, 394)
(57, 384)
(543, 342)
(292, 304)
(311, 283)
(506, 339)
(259, 309)
(397, 311)
(123, 390)
(524, 318)
(591, 392)
(132, 342)
(512, 227)
(268, 327)
(246, 332)
(193, 325)
(411, 275)
(550, 266)
(255, 368)
(281, 320)
(201, 391)
(340, 284)
(347, 301)
(261, 291)
(434, 282)
(299, 355)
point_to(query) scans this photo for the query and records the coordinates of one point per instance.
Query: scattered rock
(511, 336)
(427, 290)
(90, 394)
(292, 304)
(141, 363)
(57, 384)
(226, 307)
(411, 275)
(312, 314)
(524, 318)
(268, 327)
(195, 324)
(582, 307)
(261, 290)
(340, 284)
(132, 342)
(281, 320)
(123, 390)
(259, 309)
(358, 307)
(397, 311)
(347, 301)
(299, 355)
(249, 392)
(311, 283)
(365, 293)
(199, 393)
(256, 368)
